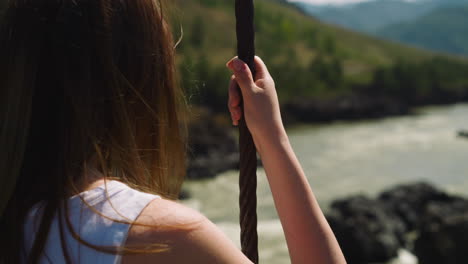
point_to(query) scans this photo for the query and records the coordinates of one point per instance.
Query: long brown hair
(82, 81)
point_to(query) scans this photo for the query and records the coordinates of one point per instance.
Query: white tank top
(120, 203)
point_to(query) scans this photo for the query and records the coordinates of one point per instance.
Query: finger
(234, 100)
(243, 74)
(234, 93)
(233, 90)
(261, 69)
(236, 115)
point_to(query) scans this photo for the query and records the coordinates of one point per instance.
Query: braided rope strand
(248, 153)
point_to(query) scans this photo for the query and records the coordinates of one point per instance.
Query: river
(345, 158)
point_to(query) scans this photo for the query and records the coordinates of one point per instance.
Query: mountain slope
(369, 16)
(442, 30)
(308, 58)
(284, 36)
(374, 15)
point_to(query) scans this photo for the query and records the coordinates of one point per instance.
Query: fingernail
(229, 64)
(238, 65)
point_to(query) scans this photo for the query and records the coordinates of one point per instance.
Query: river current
(346, 158)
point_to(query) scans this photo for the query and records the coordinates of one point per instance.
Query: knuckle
(260, 82)
(264, 82)
(259, 91)
(256, 92)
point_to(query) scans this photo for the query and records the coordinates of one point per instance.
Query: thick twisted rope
(248, 153)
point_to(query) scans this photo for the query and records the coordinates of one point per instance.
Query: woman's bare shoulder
(189, 236)
(165, 214)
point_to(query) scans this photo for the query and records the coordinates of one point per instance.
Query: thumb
(242, 73)
(262, 70)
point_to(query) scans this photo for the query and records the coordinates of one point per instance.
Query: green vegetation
(309, 59)
(423, 83)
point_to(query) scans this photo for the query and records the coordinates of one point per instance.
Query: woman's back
(113, 204)
(90, 86)
(177, 234)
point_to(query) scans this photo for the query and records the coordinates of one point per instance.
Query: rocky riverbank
(213, 146)
(350, 107)
(428, 222)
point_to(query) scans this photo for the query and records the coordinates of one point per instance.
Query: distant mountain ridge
(441, 30)
(369, 17)
(439, 25)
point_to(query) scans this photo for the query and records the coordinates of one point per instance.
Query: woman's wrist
(273, 140)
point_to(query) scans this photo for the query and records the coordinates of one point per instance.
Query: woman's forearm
(308, 235)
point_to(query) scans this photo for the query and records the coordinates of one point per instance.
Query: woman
(92, 143)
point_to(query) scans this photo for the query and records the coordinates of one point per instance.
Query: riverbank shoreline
(213, 143)
(345, 158)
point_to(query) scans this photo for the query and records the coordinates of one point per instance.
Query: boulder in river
(365, 230)
(443, 237)
(184, 194)
(212, 146)
(409, 201)
(419, 217)
(463, 133)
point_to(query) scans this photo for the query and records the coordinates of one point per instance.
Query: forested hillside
(313, 63)
(310, 61)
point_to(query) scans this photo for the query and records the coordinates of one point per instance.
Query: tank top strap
(100, 217)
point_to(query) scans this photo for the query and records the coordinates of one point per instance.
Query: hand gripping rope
(248, 153)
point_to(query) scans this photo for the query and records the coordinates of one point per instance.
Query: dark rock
(463, 133)
(350, 107)
(365, 230)
(443, 236)
(212, 147)
(184, 195)
(419, 217)
(409, 202)
(208, 166)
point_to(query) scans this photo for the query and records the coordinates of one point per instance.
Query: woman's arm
(308, 235)
(194, 239)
